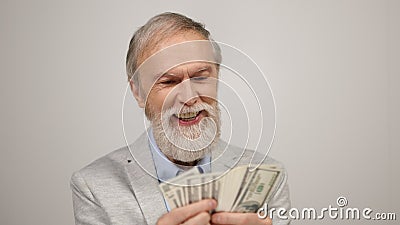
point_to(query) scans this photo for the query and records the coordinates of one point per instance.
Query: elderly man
(172, 66)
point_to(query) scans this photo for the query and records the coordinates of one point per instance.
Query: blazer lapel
(143, 180)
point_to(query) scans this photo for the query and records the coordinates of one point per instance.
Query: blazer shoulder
(111, 165)
(106, 166)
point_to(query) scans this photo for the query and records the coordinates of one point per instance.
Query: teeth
(188, 115)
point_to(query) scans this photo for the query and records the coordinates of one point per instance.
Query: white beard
(187, 143)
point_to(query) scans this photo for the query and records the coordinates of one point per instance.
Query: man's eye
(199, 78)
(167, 82)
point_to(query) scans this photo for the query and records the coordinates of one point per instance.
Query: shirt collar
(167, 169)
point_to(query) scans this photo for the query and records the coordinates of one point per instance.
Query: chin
(189, 135)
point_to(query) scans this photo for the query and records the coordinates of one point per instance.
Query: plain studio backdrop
(333, 67)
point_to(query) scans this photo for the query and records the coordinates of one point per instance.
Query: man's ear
(136, 94)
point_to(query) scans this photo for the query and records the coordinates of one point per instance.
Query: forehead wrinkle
(192, 67)
(161, 41)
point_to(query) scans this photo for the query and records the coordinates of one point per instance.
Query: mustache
(167, 113)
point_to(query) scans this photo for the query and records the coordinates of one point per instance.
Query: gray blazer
(115, 189)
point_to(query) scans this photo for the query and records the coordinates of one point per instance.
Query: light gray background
(333, 67)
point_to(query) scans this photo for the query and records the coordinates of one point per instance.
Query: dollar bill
(232, 182)
(202, 186)
(170, 196)
(174, 189)
(257, 189)
(239, 190)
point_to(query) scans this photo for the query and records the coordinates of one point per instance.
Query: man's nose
(186, 94)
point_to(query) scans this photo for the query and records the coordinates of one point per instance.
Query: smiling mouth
(189, 116)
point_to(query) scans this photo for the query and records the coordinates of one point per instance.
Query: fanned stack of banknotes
(242, 189)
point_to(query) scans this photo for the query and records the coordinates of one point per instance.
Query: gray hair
(167, 24)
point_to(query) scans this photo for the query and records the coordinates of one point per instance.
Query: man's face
(181, 102)
(183, 86)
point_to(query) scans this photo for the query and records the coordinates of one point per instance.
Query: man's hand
(239, 219)
(196, 213)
